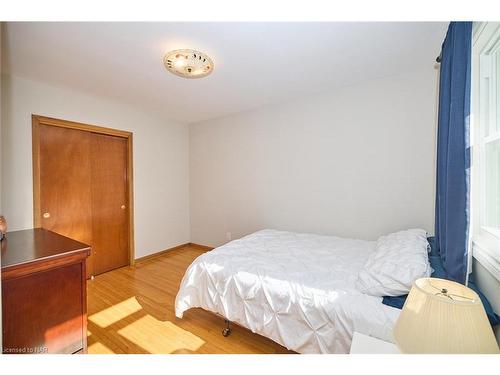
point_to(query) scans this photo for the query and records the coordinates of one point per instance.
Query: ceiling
(255, 63)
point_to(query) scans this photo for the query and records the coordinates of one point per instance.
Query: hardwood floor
(131, 310)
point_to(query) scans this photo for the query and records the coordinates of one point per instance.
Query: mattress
(296, 289)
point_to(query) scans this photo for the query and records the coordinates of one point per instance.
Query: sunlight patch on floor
(99, 348)
(160, 337)
(115, 313)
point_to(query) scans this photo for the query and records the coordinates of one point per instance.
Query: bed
(296, 289)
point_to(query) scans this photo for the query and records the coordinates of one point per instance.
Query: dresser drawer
(44, 299)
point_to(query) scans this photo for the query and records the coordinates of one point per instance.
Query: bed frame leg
(227, 330)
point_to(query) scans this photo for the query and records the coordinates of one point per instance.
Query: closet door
(65, 183)
(83, 191)
(108, 168)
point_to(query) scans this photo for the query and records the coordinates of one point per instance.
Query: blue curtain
(453, 151)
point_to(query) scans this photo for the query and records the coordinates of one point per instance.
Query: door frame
(36, 121)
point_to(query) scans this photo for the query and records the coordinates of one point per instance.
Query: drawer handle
(46, 215)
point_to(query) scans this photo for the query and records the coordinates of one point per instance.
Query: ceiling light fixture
(188, 63)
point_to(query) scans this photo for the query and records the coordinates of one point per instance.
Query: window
(485, 136)
(489, 135)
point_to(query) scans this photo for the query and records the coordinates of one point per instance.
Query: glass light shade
(442, 316)
(188, 63)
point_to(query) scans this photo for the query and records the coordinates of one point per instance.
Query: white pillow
(398, 260)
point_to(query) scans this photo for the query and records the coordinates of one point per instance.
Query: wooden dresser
(44, 295)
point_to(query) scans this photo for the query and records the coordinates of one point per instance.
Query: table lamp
(442, 316)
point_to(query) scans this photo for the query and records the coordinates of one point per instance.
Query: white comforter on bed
(297, 289)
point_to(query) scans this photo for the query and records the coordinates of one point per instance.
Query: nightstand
(363, 344)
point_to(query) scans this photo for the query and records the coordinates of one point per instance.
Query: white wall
(358, 162)
(161, 159)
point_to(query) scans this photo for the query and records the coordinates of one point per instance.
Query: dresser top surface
(34, 245)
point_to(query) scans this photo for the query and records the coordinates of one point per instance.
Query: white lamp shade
(442, 316)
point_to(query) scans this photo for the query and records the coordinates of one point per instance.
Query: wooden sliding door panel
(110, 204)
(65, 191)
(82, 185)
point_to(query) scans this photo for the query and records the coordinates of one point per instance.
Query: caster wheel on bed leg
(226, 331)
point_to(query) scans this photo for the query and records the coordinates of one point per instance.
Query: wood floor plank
(131, 310)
